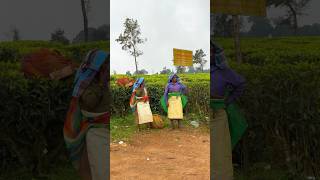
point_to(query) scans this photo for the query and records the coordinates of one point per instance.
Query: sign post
(182, 57)
(236, 8)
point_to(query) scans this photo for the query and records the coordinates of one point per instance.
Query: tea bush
(14, 51)
(198, 97)
(32, 115)
(282, 106)
(262, 51)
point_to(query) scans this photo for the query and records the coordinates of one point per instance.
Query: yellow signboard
(182, 57)
(239, 7)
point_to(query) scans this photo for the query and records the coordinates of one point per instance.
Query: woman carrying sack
(173, 101)
(227, 124)
(86, 128)
(139, 103)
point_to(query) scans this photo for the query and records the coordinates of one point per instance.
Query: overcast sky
(37, 19)
(167, 24)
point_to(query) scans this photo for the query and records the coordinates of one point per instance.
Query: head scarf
(172, 76)
(137, 84)
(88, 70)
(217, 59)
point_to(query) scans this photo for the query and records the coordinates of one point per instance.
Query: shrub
(282, 105)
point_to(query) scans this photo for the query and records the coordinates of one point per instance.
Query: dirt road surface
(162, 155)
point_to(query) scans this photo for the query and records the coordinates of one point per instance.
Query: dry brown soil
(162, 155)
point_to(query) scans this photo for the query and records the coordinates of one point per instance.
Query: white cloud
(167, 24)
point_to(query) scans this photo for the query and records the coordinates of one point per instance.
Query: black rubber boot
(150, 125)
(179, 123)
(172, 124)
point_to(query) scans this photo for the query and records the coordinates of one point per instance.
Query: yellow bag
(175, 110)
(144, 112)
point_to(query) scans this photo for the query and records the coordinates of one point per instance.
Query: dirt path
(162, 154)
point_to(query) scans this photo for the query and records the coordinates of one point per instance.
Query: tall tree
(261, 26)
(295, 8)
(58, 36)
(283, 27)
(165, 71)
(130, 39)
(128, 73)
(85, 10)
(15, 34)
(198, 58)
(222, 25)
(191, 69)
(94, 34)
(142, 71)
(181, 69)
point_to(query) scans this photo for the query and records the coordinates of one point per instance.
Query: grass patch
(122, 128)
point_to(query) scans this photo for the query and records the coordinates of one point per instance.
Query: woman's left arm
(183, 89)
(145, 97)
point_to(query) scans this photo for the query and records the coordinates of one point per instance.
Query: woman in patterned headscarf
(227, 124)
(173, 100)
(87, 123)
(139, 103)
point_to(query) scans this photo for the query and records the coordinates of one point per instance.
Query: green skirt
(163, 102)
(237, 122)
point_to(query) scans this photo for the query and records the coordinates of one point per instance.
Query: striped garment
(75, 128)
(77, 124)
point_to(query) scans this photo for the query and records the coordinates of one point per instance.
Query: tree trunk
(85, 20)
(135, 60)
(295, 18)
(236, 36)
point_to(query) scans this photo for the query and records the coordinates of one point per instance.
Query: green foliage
(32, 116)
(131, 38)
(58, 36)
(282, 105)
(198, 58)
(122, 127)
(198, 93)
(263, 51)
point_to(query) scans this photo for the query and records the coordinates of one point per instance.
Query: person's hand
(145, 98)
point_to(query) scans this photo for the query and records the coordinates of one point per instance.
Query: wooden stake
(236, 36)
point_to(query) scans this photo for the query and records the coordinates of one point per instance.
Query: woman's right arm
(132, 99)
(166, 91)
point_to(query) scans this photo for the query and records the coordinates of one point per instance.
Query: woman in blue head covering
(173, 100)
(227, 124)
(140, 101)
(87, 123)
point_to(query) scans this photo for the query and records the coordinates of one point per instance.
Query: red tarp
(125, 82)
(47, 63)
